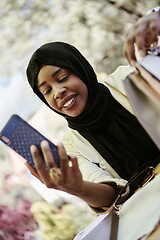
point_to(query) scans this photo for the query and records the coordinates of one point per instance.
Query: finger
(32, 170)
(154, 31)
(129, 48)
(76, 173)
(64, 160)
(155, 26)
(47, 154)
(39, 164)
(141, 39)
(147, 34)
(74, 164)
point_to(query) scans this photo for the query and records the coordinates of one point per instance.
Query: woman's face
(64, 91)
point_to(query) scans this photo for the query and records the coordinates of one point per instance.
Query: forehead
(47, 71)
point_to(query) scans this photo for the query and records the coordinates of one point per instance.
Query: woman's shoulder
(114, 82)
(116, 78)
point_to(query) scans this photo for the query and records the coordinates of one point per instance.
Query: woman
(105, 144)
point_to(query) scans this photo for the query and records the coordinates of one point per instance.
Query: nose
(59, 92)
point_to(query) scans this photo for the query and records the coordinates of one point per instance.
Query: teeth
(68, 103)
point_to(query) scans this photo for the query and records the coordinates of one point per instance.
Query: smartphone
(19, 136)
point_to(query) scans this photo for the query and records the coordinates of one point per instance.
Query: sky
(17, 98)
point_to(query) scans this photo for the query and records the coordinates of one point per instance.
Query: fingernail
(44, 144)
(33, 148)
(59, 144)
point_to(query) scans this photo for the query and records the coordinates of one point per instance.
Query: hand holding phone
(19, 136)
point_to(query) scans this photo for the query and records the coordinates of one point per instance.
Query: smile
(68, 103)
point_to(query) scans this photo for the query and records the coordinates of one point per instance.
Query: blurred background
(28, 210)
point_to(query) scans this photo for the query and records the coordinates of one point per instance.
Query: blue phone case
(19, 136)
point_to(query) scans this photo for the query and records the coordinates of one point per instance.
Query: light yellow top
(88, 157)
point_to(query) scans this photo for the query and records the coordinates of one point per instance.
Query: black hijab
(109, 127)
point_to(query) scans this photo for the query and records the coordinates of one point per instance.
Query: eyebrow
(53, 75)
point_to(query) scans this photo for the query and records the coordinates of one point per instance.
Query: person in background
(143, 36)
(105, 145)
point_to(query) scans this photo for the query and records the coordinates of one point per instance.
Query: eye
(63, 78)
(46, 91)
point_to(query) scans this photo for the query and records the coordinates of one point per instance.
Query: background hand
(144, 34)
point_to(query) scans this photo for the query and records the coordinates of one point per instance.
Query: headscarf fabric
(109, 127)
(66, 56)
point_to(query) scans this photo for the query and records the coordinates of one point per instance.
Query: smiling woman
(101, 150)
(63, 90)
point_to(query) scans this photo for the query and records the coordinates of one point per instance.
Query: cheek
(82, 88)
(85, 92)
(84, 96)
(51, 103)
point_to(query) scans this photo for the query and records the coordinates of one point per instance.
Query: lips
(68, 102)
